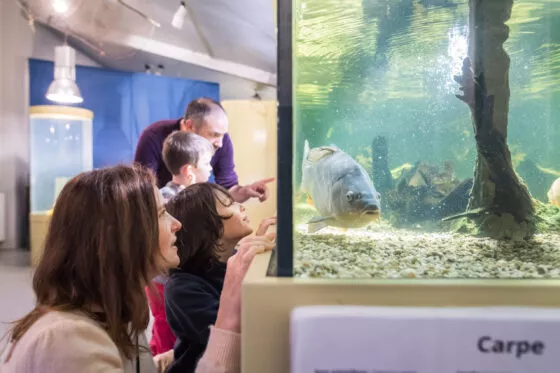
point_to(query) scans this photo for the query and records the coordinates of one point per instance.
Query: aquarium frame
(284, 89)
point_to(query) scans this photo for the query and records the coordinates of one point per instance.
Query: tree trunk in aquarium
(499, 202)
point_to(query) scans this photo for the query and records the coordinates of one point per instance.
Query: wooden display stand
(268, 301)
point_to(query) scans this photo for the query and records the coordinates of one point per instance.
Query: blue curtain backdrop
(123, 104)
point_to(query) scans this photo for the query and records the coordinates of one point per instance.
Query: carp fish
(553, 193)
(339, 188)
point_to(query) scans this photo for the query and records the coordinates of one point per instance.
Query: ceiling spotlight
(179, 17)
(60, 6)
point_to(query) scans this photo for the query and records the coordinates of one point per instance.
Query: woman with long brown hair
(109, 235)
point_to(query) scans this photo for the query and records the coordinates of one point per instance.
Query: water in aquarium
(426, 138)
(61, 147)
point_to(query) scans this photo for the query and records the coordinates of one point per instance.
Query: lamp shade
(63, 89)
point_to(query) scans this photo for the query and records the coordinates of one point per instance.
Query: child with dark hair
(213, 225)
(187, 156)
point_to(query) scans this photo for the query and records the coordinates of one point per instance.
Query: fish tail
(305, 154)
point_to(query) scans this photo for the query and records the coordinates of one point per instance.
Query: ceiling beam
(196, 58)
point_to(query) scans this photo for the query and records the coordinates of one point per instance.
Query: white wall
(17, 44)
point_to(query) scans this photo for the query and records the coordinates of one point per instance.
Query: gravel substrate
(384, 252)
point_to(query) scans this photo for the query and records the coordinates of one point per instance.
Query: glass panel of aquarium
(424, 138)
(61, 147)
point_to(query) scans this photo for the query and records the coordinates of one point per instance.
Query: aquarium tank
(419, 138)
(61, 147)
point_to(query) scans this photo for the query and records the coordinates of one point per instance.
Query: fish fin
(305, 149)
(315, 227)
(317, 223)
(309, 200)
(316, 154)
(318, 219)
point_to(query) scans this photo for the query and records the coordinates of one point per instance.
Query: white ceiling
(239, 33)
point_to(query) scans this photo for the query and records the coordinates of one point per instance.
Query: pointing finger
(266, 181)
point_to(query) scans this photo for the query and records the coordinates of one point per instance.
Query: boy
(187, 157)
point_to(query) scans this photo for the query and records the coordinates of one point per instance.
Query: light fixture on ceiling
(258, 88)
(179, 16)
(159, 70)
(60, 6)
(63, 89)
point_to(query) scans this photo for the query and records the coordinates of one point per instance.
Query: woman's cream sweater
(61, 342)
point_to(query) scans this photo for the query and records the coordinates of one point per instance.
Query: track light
(159, 70)
(60, 6)
(179, 17)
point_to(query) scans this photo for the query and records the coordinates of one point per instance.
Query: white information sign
(356, 339)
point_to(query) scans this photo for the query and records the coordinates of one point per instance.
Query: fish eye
(350, 196)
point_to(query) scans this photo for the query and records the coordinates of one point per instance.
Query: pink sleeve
(223, 353)
(163, 338)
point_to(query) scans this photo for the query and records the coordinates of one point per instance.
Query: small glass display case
(61, 146)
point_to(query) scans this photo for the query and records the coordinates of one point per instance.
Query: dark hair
(100, 251)
(181, 148)
(200, 108)
(198, 240)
